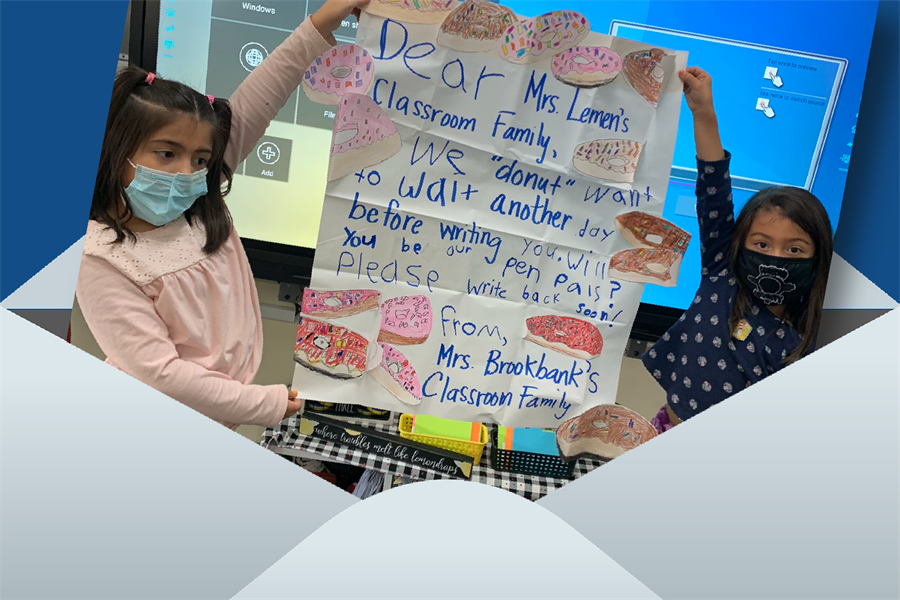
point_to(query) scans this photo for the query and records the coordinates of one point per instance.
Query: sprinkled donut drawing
(607, 431)
(427, 12)
(330, 349)
(397, 376)
(586, 66)
(611, 160)
(337, 304)
(645, 73)
(363, 136)
(343, 69)
(647, 265)
(566, 335)
(475, 26)
(406, 320)
(643, 230)
(530, 40)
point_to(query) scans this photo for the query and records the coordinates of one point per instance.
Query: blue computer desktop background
(780, 149)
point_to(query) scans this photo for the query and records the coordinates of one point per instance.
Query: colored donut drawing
(606, 431)
(427, 12)
(586, 66)
(566, 335)
(643, 230)
(530, 40)
(406, 321)
(475, 26)
(647, 265)
(398, 376)
(659, 248)
(373, 137)
(344, 69)
(610, 160)
(645, 74)
(337, 304)
(330, 349)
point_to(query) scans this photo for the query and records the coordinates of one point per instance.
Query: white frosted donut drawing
(607, 431)
(397, 375)
(412, 11)
(586, 66)
(475, 26)
(530, 40)
(363, 136)
(611, 160)
(406, 320)
(344, 69)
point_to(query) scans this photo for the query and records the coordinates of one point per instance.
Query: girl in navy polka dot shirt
(763, 285)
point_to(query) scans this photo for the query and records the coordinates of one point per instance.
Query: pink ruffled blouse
(186, 323)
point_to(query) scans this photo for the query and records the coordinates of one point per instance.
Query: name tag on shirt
(743, 330)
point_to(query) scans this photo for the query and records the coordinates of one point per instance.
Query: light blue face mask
(158, 197)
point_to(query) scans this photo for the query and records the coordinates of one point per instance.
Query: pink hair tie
(150, 78)
(211, 100)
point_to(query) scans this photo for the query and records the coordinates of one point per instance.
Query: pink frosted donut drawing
(339, 71)
(530, 40)
(363, 136)
(412, 11)
(397, 376)
(337, 304)
(405, 321)
(587, 66)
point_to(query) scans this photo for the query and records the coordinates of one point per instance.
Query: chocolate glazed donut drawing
(566, 335)
(644, 72)
(606, 431)
(475, 26)
(659, 248)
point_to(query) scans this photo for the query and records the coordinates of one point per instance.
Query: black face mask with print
(776, 280)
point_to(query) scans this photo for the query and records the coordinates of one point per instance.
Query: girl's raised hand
(697, 90)
(328, 18)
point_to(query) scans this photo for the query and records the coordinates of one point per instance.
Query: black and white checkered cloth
(287, 437)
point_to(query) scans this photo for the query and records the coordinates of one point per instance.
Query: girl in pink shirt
(164, 285)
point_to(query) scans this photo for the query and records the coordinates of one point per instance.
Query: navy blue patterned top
(699, 362)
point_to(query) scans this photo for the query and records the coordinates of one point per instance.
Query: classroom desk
(287, 440)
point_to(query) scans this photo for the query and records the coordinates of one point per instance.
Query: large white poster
(492, 213)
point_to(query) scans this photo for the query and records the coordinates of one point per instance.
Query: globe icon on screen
(252, 55)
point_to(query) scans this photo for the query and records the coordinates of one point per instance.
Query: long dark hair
(136, 111)
(807, 212)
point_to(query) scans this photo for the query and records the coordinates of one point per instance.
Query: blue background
(54, 97)
(834, 29)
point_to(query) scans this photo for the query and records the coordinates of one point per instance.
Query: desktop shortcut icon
(268, 153)
(252, 55)
(762, 105)
(772, 75)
